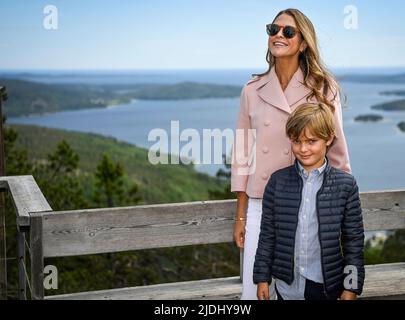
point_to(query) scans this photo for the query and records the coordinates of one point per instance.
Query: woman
(296, 75)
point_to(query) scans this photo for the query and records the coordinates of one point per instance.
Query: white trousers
(252, 230)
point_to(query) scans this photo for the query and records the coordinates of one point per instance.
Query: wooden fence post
(37, 258)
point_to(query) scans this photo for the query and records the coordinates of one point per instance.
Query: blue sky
(188, 34)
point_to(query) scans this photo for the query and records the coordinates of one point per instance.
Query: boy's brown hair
(317, 117)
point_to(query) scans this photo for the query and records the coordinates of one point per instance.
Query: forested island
(393, 93)
(369, 118)
(396, 105)
(32, 98)
(401, 126)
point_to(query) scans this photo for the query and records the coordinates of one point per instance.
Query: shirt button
(267, 123)
(302, 269)
(265, 150)
(286, 151)
(305, 215)
(302, 251)
(306, 200)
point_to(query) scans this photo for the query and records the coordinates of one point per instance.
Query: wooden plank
(213, 289)
(383, 210)
(382, 281)
(37, 257)
(154, 226)
(26, 195)
(94, 231)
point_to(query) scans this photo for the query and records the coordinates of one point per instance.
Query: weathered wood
(37, 257)
(142, 227)
(26, 196)
(383, 210)
(3, 250)
(94, 231)
(384, 281)
(22, 295)
(213, 289)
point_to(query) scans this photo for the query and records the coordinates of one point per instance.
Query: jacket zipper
(296, 227)
(319, 233)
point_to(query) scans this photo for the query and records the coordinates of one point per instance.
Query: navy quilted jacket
(340, 232)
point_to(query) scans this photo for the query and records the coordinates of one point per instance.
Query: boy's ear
(330, 140)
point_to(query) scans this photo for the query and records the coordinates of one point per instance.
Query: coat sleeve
(240, 149)
(353, 242)
(262, 268)
(338, 154)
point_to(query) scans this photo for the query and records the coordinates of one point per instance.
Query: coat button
(264, 176)
(267, 123)
(286, 151)
(265, 150)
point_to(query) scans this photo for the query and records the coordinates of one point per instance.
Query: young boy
(312, 237)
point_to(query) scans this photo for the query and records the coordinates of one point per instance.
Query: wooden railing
(94, 231)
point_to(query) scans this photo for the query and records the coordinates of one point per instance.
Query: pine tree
(58, 179)
(110, 190)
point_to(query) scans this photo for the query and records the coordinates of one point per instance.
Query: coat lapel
(269, 89)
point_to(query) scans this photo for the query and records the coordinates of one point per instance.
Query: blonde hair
(316, 76)
(317, 117)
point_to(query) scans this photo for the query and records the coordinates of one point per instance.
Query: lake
(377, 150)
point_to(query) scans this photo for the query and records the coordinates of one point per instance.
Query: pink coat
(265, 107)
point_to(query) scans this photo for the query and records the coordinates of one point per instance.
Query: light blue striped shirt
(307, 253)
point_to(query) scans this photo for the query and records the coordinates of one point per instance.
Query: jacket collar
(269, 89)
(326, 170)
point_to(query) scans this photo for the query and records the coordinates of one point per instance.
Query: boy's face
(310, 150)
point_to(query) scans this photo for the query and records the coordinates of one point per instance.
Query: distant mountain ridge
(373, 78)
(28, 98)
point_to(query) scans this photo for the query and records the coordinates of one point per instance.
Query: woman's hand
(348, 295)
(239, 233)
(263, 291)
(240, 219)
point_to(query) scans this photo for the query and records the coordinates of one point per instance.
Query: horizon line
(177, 69)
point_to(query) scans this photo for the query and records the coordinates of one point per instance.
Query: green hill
(26, 98)
(158, 183)
(29, 98)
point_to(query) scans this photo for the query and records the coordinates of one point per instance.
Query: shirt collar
(315, 172)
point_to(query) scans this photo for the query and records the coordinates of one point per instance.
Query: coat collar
(326, 169)
(269, 89)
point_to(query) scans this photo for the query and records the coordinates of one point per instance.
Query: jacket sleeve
(267, 237)
(338, 154)
(240, 149)
(353, 242)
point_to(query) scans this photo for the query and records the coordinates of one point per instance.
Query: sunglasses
(288, 31)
